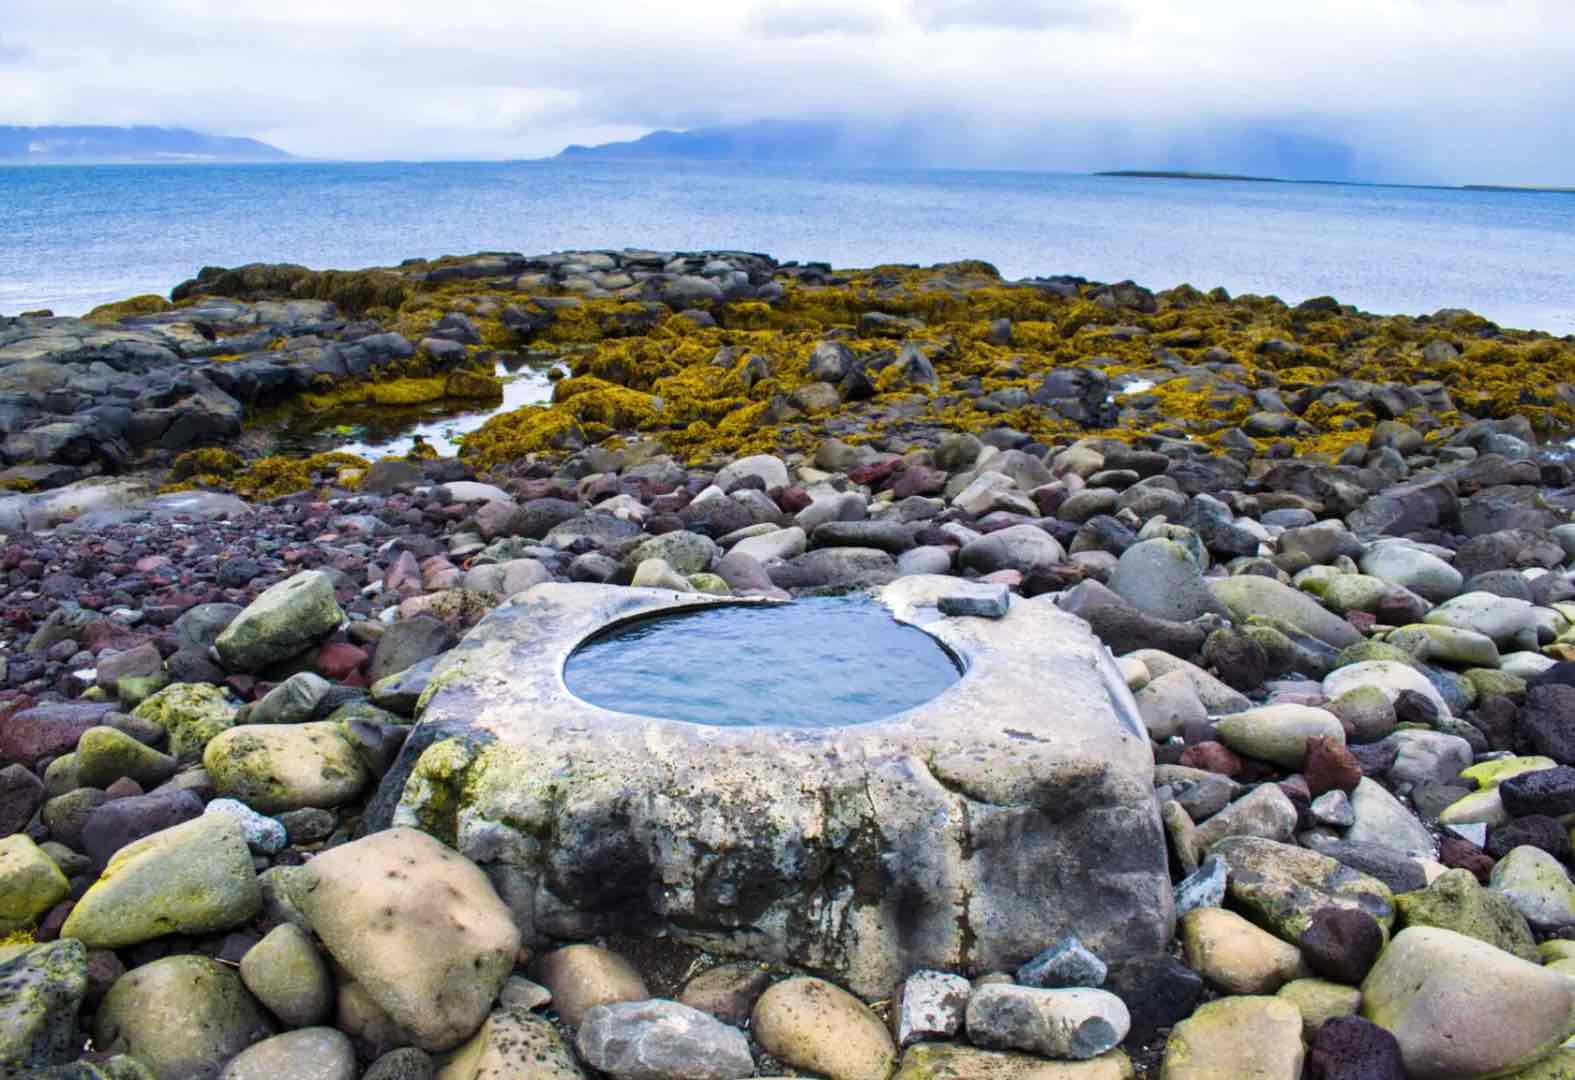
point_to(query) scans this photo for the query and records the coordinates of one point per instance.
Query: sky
(1433, 91)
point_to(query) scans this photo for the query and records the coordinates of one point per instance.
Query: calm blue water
(819, 662)
(75, 236)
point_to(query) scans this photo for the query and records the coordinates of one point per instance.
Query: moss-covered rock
(110, 314)
(278, 767)
(184, 1016)
(41, 989)
(105, 754)
(288, 975)
(194, 878)
(1236, 1036)
(190, 714)
(1280, 886)
(281, 622)
(30, 883)
(1456, 901)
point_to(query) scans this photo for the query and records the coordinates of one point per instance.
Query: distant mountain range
(777, 142)
(1253, 151)
(84, 145)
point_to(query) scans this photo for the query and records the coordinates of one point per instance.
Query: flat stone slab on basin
(1013, 809)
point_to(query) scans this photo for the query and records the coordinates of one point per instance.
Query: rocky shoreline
(1333, 554)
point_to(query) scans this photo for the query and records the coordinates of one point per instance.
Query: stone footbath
(967, 832)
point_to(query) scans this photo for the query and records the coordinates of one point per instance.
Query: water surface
(814, 663)
(75, 236)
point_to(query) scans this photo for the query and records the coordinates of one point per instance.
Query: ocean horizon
(81, 235)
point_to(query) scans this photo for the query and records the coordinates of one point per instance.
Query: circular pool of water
(813, 663)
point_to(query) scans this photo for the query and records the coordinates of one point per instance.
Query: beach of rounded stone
(1261, 764)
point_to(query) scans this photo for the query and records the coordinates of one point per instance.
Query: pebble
(263, 834)
(1064, 1024)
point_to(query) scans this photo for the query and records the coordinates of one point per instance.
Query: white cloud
(796, 18)
(1015, 14)
(1451, 90)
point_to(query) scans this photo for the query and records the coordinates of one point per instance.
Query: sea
(72, 237)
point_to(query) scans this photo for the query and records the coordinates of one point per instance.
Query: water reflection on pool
(820, 662)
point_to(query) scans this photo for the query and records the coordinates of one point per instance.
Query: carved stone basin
(968, 832)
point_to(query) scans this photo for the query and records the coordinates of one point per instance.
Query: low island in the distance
(1177, 174)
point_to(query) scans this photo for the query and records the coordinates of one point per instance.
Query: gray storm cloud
(1423, 90)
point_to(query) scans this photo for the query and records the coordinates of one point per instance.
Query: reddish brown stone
(47, 730)
(1458, 853)
(338, 660)
(793, 499)
(919, 480)
(1213, 757)
(1330, 766)
(1341, 944)
(49, 926)
(124, 788)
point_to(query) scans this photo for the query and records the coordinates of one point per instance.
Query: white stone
(263, 834)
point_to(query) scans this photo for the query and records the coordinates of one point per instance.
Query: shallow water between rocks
(814, 663)
(379, 431)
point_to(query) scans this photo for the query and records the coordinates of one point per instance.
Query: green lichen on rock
(190, 714)
(192, 878)
(41, 990)
(181, 1016)
(110, 314)
(30, 883)
(279, 767)
(272, 477)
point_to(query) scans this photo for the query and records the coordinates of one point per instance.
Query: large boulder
(281, 622)
(965, 832)
(1462, 1009)
(417, 926)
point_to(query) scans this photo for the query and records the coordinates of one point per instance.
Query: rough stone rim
(974, 659)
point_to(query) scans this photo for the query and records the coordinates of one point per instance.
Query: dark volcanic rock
(1350, 1048)
(1158, 991)
(1547, 722)
(1546, 791)
(1408, 508)
(1534, 830)
(1341, 944)
(21, 794)
(117, 823)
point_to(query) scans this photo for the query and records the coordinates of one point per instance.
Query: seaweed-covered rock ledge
(1332, 555)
